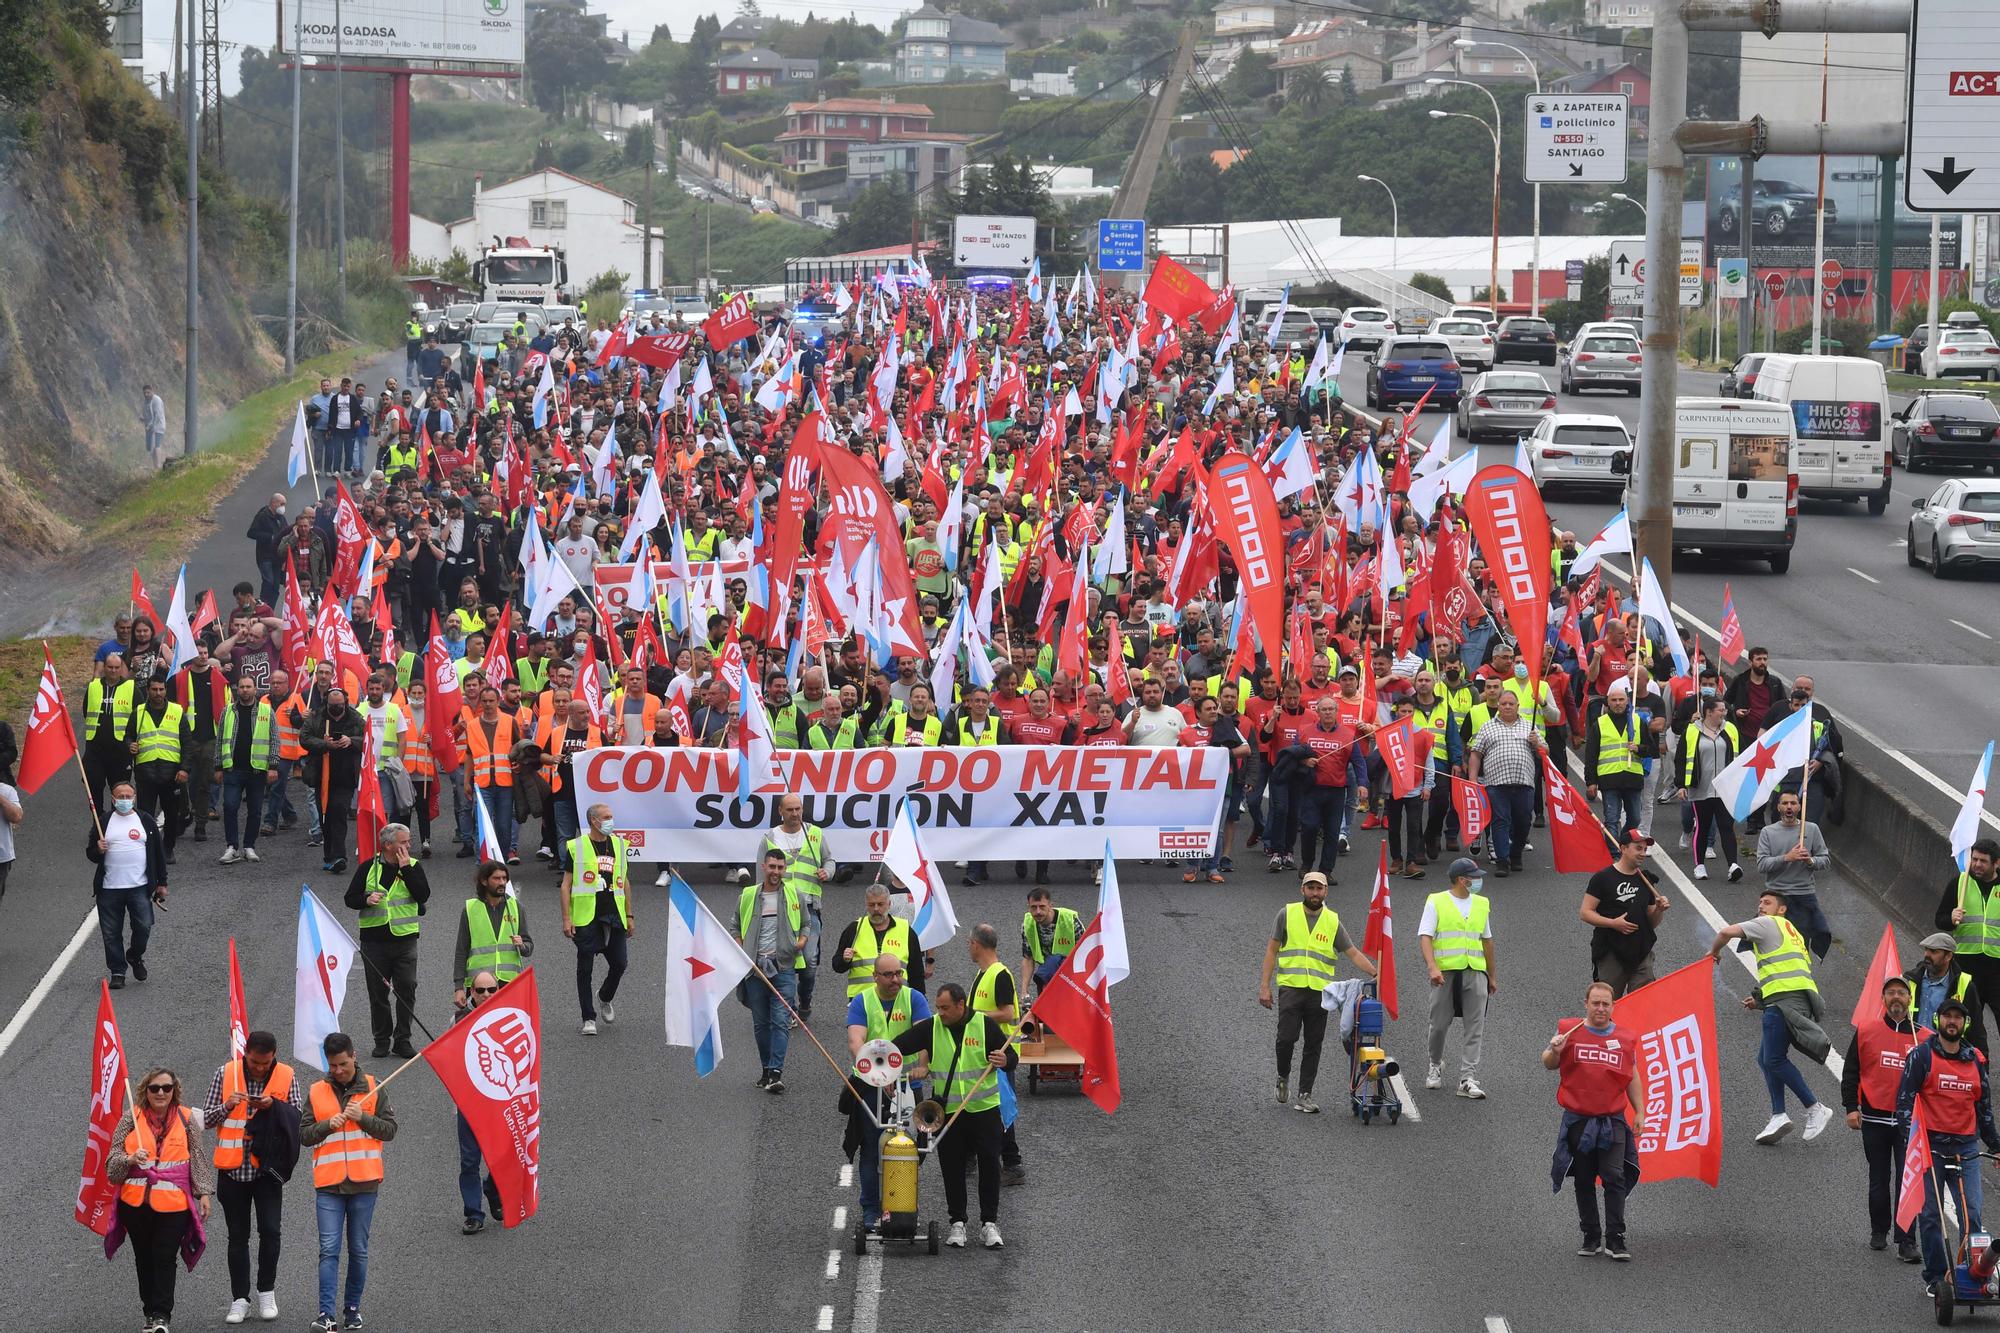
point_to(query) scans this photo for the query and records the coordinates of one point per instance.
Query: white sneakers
(605, 1011)
(589, 1027)
(1700, 871)
(267, 1301)
(230, 856)
(1817, 1119)
(1435, 1077)
(250, 854)
(239, 1310)
(989, 1235)
(666, 877)
(956, 1236)
(1775, 1128)
(1469, 1088)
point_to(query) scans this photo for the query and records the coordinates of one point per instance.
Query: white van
(1736, 486)
(1840, 427)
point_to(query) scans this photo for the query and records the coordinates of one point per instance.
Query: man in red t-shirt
(1332, 743)
(1597, 1067)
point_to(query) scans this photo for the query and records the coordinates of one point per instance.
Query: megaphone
(929, 1116)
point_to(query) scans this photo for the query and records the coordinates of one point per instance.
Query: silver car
(1956, 527)
(1602, 361)
(1503, 403)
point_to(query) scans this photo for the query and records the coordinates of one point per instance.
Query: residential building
(1335, 45)
(938, 45)
(597, 228)
(1618, 13)
(819, 134)
(916, 165)
(760, 67)
(1436, 53)
(1634, 83)
(1252, 25)
(744, 32)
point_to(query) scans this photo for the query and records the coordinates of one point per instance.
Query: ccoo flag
(704, 964)
(1673, 1022)
(319, 983)
(932, 916)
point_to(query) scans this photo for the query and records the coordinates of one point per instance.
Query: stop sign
(1830, 274)
(1774, 285)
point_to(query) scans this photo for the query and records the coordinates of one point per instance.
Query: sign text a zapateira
(970, 801)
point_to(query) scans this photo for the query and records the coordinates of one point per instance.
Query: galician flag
(931, 914)
(1965, 828)
(319, 985)
(489, 837)
(1753, 775)
(704, 963)
(298, 462)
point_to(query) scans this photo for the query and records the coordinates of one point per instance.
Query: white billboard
(487, 31)
(992, 242)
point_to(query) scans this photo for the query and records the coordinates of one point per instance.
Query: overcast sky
(254, 22)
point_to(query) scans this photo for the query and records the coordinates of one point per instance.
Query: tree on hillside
(1189, 189)
(565, 59)
(880, 215)
(1432, 283)
(1250, 77)
(1309, 89)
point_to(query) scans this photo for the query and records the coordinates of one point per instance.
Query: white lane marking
(19, 1021)
(825, 1324)
(1846, 721)
(847, 1176)
(1410, 1110)
(840, 1218)
(1970, 630)
(833, 1263)
(868, 1291)
(1900, 541)
(1497, 1324)
(1859, 575)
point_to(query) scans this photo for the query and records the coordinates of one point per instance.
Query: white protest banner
(972, 802)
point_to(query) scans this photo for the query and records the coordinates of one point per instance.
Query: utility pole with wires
(340, 166)
(211, 79)
(1135, 186)
(292, 212)
(191, 383)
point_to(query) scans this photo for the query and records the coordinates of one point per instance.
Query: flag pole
(90, 797)
(800, 1024)
(1013, 1039)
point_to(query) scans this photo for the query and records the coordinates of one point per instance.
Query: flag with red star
(932, 917)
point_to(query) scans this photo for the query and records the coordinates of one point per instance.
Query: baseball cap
(1463, 868)
(760, 459)
(1953, 1006)
(1312, 877)
(1632, 835)
(1939, 940)
(1349, 670)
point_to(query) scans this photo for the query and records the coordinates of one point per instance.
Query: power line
(1239, 141)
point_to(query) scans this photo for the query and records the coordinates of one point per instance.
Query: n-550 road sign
(1951, 135)
(1578, 138)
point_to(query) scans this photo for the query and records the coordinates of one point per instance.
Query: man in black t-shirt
(1624, 909)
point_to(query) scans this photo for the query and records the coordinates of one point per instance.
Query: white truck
(517, 272)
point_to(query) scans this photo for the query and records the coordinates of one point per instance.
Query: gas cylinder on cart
(899, 1173)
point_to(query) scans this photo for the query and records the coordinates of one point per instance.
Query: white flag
(1117, 962)
(319, 984)
(299, 461)
(1653, 604)
(931, 915)
(646, 515)
(1753, 775)
(1615, 539)
(1965, 828)
(177, 621)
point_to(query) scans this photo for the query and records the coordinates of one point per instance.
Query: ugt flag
(491, 1064)
(704, 963)
(932, 916)
(1673, 1020)
(319, 983)
(1753, 775)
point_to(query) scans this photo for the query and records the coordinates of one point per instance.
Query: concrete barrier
(1888, 844)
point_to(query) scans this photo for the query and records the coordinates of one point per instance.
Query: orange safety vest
(383, 559)
(550, 738)
(230, 1140)
(346, 1154)
(418, 761)
(649, 716)
(490, 766)
(147, 1191)
(287, 718)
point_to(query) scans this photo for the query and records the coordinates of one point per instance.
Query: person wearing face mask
(597, 912)
(1869, 1081)
(333, 736)
(131, 880)
(1455, 937)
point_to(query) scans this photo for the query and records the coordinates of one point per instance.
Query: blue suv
(1406, 368)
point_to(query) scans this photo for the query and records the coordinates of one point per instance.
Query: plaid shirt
(213, 1112)
(1507, 754)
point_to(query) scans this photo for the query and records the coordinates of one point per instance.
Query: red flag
(298, 623)
(1571, 632)
(350, 542)
(1732, 632)
(369, 815)
(334, 641)
(479, 388)
(1117, 681)
(204, 612)
(795, 500)
(1379, 943)
(110, 1087)
(1176, 291)
(499, 657)
(51, 737)
(1398, 747)
(588, 687)
(1214, 317)
(1507, 518)
(729, 325)
(1475, 809)
(662, 351)
(491, 1064)
(1076, 1005)
(1673, 1020)
(141, 602)
(446, 699)
(1916, 1169)
(1868, 1009)
(1245, 515)
(1578, 838)
(239, 1012)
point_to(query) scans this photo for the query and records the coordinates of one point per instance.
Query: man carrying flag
(1869, 1083)
(1598, 1077)
(1946, 1101)
(243, 1095)
(1299, 962)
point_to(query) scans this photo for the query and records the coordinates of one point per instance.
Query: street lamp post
(1395, 222)
(1534, 72)
(1493, 130)
(1628, 199)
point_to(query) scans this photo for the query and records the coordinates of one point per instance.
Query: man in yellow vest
(158, 733)
(492, 933)
(108, 702)
(1793, 1011)
(242, 1090)
(246, 754)
(389, 891)
(872, 935)
(884, 1010)
(771, 927)
(1969, 908)
(1456, 940)
(995, 995)
(964, 1053)
(807, 869)
(1299, 962)
(346, 1123)
(597, 912)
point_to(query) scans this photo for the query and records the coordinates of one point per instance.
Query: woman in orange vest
(159, 1163)
(418, 760)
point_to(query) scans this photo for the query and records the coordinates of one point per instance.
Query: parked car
(1577, 449)
(1525, 338)
(1941, 428)
(1913, 349)
(1297, 326)
(1957, 526)
(1503, 403)
(1602, 361)
(1776, 208)
(1740, 380)
(1327, 317)
(1966, 349)
(1365, 326)
(450, 324)
(1407, 368)
(1484, 314)
(481, 343)
(1413, 319)
(688, 308)
(1470, 340)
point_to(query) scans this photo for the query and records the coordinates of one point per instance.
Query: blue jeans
(1278, 823)
(1357, 784)
(353, 1213)
(113, 907)
(278, 797)
(871, 1149)
(768, 1018)
(239, 784)
(469, 1162)
(1320, 822)
(1805, 913)
(333, 450)
(1513, 815)
(1948, 1147)
(499, 809)
(809, 979)
(1621, 809)
(1775, 1059)
(267, 578)
(357, 450)
(566, 827)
